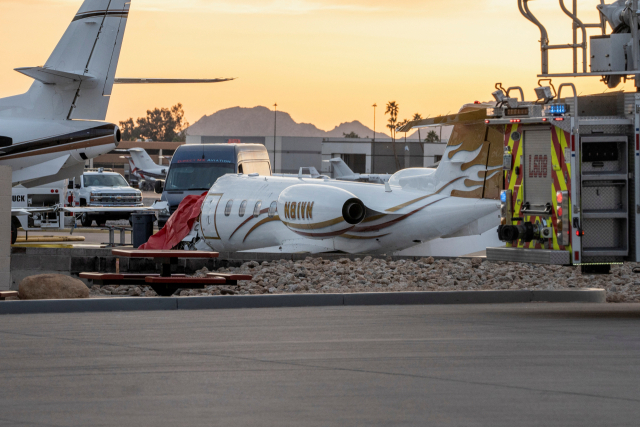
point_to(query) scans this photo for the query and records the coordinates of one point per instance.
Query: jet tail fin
(340, 168)
(471, 165)
(77, 79)
(141, 159)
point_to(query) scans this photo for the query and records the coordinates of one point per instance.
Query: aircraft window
(243, 208)
(273, 209)
(227, 209)
(256, 209)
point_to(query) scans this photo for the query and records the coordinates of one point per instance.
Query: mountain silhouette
(259, 121)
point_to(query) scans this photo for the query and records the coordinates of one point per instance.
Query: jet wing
(452, 119)
(83, 209)
(29, 211)
(40, 170)
(125, 81)
(156, 207)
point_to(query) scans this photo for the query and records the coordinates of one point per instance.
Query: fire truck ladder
(628, 70)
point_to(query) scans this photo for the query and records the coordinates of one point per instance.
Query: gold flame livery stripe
(264, 221)
(315, 226)
(263, 211)
(411, 202)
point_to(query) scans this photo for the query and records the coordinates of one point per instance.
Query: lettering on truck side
(298, 210)
(539, 169)
(18, 198)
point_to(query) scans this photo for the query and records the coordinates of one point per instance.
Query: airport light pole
(374, 121)
(275, 123)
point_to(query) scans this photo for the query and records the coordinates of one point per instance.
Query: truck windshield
(104, 181)
(195, 176)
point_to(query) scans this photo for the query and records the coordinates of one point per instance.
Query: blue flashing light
(557, 109)
(503, 197)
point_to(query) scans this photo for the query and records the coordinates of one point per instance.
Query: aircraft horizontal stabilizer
(39, 170)
(50, 76)
(452, 119)
(124, 81)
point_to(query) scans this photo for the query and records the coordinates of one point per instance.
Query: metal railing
(577, 24)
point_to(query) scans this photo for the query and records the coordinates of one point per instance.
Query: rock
(52, 286)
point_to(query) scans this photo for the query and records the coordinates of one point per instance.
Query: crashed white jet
(299, 214)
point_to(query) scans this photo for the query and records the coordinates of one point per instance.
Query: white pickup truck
(104, 189)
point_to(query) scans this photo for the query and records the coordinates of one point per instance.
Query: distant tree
(160, 125)
(432, 136)
(351, 134)
(392, 111)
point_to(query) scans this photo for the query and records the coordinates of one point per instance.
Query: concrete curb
(300, 300)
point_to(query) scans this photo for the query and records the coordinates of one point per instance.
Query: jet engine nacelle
(319, 211)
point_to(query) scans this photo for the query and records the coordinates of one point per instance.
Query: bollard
(142, 228)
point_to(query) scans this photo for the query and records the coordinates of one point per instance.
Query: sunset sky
(323, 61)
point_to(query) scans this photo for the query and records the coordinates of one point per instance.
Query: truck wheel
(14, 231)
(86, 220)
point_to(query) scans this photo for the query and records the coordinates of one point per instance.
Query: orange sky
(323, 61)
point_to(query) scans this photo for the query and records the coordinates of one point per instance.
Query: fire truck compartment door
(537, 168)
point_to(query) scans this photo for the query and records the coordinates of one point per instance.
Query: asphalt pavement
(490, 365)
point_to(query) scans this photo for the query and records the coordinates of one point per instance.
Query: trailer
(571, 164)
(41, 202)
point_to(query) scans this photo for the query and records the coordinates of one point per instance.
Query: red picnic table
(164, 283)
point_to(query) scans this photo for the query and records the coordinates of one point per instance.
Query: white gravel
(315, 275)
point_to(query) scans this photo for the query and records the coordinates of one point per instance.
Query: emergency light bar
(557, 109)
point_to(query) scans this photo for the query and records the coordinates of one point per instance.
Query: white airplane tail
(471, 165)
(77, 79)
(472, 161)
(141, 159)
(340, 168)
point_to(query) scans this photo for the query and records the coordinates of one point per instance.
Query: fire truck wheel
(86, 220)
(14, 230)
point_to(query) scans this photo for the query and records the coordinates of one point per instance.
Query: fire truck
(570, 191)
(571, 164)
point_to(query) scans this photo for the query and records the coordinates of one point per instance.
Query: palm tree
(392, 111)
(417, 116)
(432, 137)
